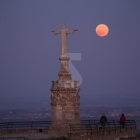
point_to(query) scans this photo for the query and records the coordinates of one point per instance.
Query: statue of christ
(64, 31)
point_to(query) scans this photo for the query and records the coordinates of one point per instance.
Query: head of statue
(63, 25)
(103, 114)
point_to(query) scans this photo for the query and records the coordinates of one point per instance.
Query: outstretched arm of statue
(56, 31)
(71, 31)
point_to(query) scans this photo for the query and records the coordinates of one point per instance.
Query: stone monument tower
(65, 97)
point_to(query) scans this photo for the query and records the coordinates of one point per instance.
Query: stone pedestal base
(65, 106)
(59, 129)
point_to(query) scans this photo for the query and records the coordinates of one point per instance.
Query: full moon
(102, 30)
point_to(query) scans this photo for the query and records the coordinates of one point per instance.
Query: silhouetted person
(122, 120)
(103, 121)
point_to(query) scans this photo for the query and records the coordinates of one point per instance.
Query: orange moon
(102, 30)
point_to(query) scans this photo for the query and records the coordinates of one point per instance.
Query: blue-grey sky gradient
(29, 51)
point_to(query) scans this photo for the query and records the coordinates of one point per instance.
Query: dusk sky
(109, 67)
